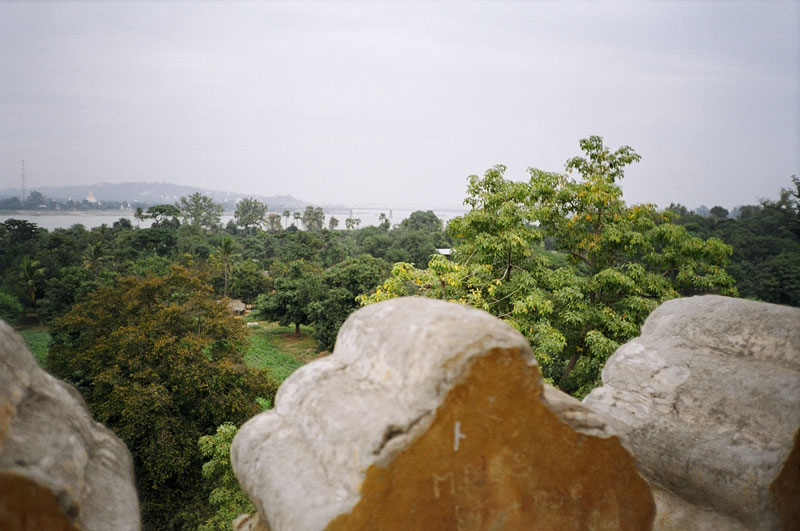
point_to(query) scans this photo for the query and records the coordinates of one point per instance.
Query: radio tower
(23, 182)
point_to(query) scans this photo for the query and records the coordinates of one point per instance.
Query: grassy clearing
(38, 341)
(270, 346)
(279, 349)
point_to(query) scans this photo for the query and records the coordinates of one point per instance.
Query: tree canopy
(159, 362)
(313, 218)
(294, 291)
(250, 212)
(162, 215)
(610, 265)
(199, 209)
(341, 284)
(766, 244)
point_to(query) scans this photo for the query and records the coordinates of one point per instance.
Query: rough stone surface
(59, 469)
(249, 522)
(432, 415)
(708, 401)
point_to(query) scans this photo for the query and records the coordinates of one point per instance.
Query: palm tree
(139, 215)
(297, 216)
(93, 256)
(287, 215)
(226, 250)
(30, 271)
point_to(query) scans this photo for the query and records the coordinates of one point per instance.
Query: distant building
(90, 198)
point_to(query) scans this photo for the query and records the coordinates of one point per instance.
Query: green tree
(226, 496)
(199, 209)
(294, 245)
(497, 231)
(164, 215)
(384, 222)
(424, 220)
(766, 246)
(159, 362)
(249, 281)
(313, 218)
(341, 284)
(20, 231)
(250, 212)
(71, 284)
(287, 215)
(678, 209)
(718, 212)
(139, 215)
(192, 240)
(30, 273)
(294, 291)
(35, 199)
(10, 307)
(333, 223)
(226, 253)
(274, 223)
(414, 246)
(18, 238)
(613, 264)
(150, 264)
(93, 257)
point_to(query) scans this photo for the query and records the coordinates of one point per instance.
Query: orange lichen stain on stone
(27, 506)
(495, 457)
(7, 413)
(785, 490)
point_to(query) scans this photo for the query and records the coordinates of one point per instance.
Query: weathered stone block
(432, 415)
(59, 469)
(708, 401)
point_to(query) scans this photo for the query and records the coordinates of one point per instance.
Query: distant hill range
(156, 193)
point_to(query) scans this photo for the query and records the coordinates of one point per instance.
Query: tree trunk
(297, 329)
(572, 361)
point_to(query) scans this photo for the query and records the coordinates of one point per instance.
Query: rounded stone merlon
(708, 401)
(59, 469)
(433, 415)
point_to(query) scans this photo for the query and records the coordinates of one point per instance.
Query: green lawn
(38, 341)
(279, 349)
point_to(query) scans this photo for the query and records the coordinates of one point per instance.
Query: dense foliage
(159, 362)
(138, 328)
(622, 261)
(343, 283)
(10, 307)
(766, 244)
(139, 332)
(226, 497)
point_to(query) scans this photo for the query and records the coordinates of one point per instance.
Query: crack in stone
(393, 431)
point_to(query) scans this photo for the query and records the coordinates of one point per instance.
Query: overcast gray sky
(398, 103)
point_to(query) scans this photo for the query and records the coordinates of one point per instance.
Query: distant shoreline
(110, 212)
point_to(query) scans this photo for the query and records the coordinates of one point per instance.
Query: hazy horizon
(398, 103)
(421, 205)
